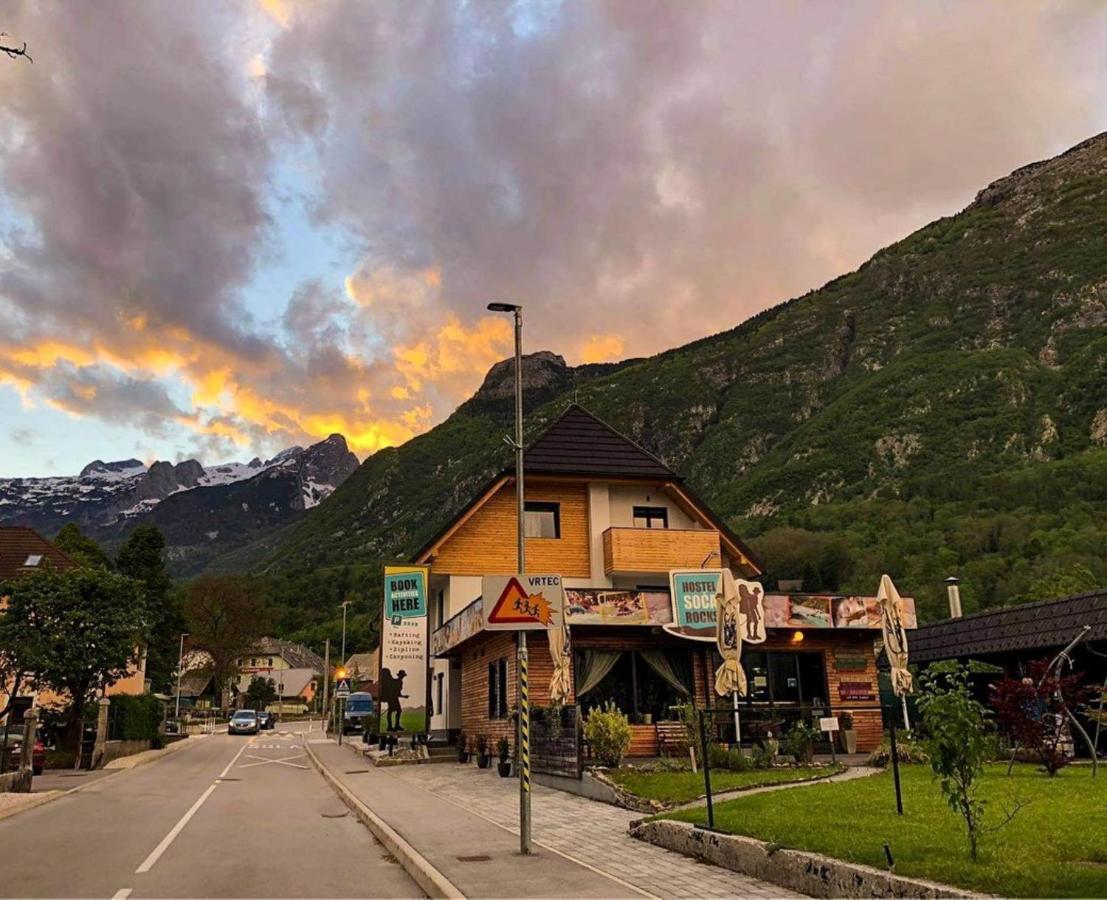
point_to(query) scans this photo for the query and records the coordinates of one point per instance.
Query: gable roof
(578, 443)
(286, 682)
(1042, 626)
(296, 655)
(364, 664)
(19, 545)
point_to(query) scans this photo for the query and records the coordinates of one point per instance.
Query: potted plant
(503, 750)
(462, 747)
(846, 730)
(484, 759)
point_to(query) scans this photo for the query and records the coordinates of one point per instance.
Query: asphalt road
(229, 817)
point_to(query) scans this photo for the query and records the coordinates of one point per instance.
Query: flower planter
(849, 740)
(504, 768)
(484, 760)
(463, 756)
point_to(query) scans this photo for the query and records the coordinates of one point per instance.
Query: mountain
(941, 410)
(197, 508)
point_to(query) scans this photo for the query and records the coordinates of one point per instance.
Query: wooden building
(614, 521)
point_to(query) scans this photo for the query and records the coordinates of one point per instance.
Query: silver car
(245, 721)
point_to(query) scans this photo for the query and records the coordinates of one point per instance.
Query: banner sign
(403, 670)
(405, 593)
(692, 593)
(522, 602)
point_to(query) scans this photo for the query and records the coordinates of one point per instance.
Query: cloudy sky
(230, 227)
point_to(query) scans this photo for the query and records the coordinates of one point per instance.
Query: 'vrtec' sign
(522, 602)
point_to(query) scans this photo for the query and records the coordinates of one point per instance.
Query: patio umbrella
(892, 617)
(729, 677)
(562, 655)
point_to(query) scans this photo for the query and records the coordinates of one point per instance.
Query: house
(363, 670)
(295, 687)
(614, 522)
(272, 654)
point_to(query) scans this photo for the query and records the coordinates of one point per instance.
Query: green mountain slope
(939, 411)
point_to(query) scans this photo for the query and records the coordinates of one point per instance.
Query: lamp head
(503, 307)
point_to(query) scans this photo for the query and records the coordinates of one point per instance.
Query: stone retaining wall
(17, 782)
(797, 870)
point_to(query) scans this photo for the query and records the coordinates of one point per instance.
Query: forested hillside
(942, 410)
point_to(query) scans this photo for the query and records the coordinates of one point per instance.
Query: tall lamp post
(345, 603)
(521, 662)
(180, 665)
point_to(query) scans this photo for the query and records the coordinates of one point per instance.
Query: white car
(245, 721)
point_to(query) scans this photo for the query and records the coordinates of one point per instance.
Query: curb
(432, 881)
(798, 870)
(161, 754)
(37, 800)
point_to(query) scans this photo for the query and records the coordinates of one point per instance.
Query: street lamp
(345, 603)
(180, 665)
(524, 700)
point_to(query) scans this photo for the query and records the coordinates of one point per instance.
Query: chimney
(954, 596)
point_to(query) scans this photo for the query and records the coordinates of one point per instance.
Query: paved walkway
(585, 844)
(845, 775)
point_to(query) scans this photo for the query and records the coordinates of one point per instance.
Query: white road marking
(155, 854)
(122, 894)
(263, 760)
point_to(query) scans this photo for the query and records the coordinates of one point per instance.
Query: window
(497, 689)
(651, 517)
(542, 520)
(781, 677)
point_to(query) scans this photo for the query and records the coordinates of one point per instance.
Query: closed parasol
(562, 655)
(892, 618)
(729, 678)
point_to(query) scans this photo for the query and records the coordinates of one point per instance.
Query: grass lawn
(1055, 847)
(682, 786)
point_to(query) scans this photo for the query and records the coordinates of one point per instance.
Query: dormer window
(34, 560)
(651, 517)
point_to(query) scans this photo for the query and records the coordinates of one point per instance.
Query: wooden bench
(672, 739)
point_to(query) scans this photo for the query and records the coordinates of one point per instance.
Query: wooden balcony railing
(659, 549)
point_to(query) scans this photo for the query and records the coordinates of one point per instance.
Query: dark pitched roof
(1037, 626)
(578, 443)
(20, 546)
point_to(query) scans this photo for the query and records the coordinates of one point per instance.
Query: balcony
(629, 550)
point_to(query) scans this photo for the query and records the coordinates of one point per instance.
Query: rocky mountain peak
(542, 371)
(119, 467)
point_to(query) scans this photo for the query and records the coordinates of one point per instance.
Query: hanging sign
(522, 602)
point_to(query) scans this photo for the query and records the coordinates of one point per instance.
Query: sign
(405, 593)
(694, 592)
(402, 690)
(343, 688)
(855, 690)
(522, 602)
(828, 723)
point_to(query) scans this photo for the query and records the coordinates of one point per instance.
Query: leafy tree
(822, 561)
(260, 692)
(1031, 712)
(76, 632)
(958, 743)
(80, 548)
(142, 558)
(226, 615)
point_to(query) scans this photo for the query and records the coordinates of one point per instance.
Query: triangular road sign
(343, 687)
(512, 606)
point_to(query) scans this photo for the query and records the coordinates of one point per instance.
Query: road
(229, 817)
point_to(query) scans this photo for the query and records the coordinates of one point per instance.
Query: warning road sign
(343, 688)
(523, 602)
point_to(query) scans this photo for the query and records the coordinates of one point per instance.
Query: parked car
(245, 721)
(14, 748)
(266, 720)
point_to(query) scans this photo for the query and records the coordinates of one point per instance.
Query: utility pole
(326, 682)
(523, 750)
(345, 603)
(180, 665)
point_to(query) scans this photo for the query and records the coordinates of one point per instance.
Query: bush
(907, 751)
(764, 754)
(724, 758)
(134, 717)
(608, 731)
(503, 749)
(799, 743)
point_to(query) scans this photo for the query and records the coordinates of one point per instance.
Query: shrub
(482, 745)
(764, 754)
(134, 717)
(606, 728)
(907, 751)
(799, 743)
(724, 758)
(845, 721)
(503, 749)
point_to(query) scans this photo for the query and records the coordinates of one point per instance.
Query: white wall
(624, 497)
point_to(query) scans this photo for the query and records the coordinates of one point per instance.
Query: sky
(227, 228)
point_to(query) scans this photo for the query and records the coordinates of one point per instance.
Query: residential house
(295, 688)
(614, 520)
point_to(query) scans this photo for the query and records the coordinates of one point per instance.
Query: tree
(260, 692)
(226, 615)
(141, 558)
(1031, 712)
(76, 631)
(958, 743)
(80, 548)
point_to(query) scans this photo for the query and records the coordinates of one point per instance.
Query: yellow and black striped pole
(524, 748)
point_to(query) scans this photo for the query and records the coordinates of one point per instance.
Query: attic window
(33, 560)
(542, 520)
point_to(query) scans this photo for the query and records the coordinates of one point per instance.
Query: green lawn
(1055, 847)
(682, 786)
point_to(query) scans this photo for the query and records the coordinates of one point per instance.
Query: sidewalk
(464, 822)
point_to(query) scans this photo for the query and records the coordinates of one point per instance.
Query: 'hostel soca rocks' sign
(403, 674)
(693, 593)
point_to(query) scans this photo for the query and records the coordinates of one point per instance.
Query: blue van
(358, 705)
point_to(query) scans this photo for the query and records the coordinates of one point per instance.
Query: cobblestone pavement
(590, 832)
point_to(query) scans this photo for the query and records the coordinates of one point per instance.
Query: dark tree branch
(15, 52)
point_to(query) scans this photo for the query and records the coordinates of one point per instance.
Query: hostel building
(614, 521)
